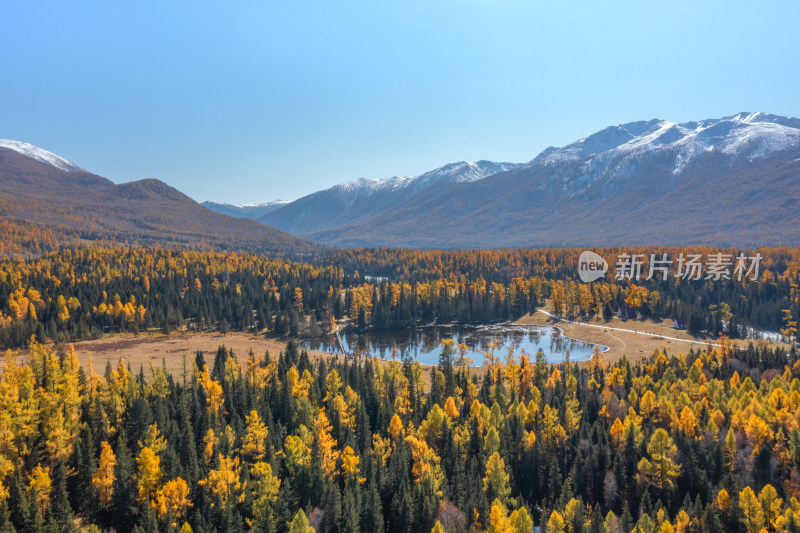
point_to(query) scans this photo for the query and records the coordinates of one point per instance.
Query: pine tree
(372, 512)
(59, 500)
(332, 504)
(5, 519)
(21, 513)
(123, 500)
(711, 521)
(147, 522)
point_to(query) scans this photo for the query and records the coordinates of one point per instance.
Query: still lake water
(425, 343)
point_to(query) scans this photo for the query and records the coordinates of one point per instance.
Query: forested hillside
(87, 292)
(705, 442)
(44, 207)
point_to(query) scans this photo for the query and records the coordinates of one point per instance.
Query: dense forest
(84, 292)
(704, 442)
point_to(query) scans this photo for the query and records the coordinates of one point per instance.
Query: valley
(171, 365)
(400, 267)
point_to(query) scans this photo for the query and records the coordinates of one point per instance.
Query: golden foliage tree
(103, 479)
(661, 469)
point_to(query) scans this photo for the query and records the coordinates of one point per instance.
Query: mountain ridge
(71, 203)
(40, 154)
(715, 181)
(251, 211)
(366, 197)
(611, 173)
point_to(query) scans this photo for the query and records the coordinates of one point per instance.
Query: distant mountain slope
(360, 200)
(734, 180)
(253, 212)
(37, 187)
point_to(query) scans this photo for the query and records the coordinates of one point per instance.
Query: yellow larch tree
(325, 443)
(426, 467)
(661, 469)
(40, 484)
(264, 487)
(149, 475)
(224, 481)
(350, 469)
(209, 442)
(555, 524)
(395, 427)
(103, 479)
(254, 442)
(213, 391)
(299, 524)
(750, 507)
(172, 498)
(495, 482)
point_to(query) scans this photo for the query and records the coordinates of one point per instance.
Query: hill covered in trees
(705, 442)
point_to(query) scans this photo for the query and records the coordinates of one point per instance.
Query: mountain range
(728, 181)
(42, 192)
(251, 211)
(364, 199)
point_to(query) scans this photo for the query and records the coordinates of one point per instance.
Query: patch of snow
(38, 154)
(758, 334)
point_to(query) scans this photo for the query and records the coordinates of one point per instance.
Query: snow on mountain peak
(620, 151)
(745, 134)
(278, 202)
(460, 172)
(38, 154)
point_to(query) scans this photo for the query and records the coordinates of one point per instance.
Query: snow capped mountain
(366, 197)
(732, 180)
(620, 152)
(655, 154)
(274, 203)
(38, 154)
(746, 134)
(252, 211)
(460, 172)
(728, 181)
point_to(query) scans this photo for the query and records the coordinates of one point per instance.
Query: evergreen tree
(59, 500)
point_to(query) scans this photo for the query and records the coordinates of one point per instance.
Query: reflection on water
(424, 343)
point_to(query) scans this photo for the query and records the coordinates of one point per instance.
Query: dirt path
(620, 340)
(637, 332)
(632, 338)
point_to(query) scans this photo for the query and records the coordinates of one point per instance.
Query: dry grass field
(172, 350)
(145, 349)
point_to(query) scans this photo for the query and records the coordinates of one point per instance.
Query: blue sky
(249, 102)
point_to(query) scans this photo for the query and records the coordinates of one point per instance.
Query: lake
(424, 343)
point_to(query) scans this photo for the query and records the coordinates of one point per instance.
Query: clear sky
(248, 102)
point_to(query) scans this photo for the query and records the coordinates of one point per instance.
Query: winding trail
(624, 345)
(648, 333)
